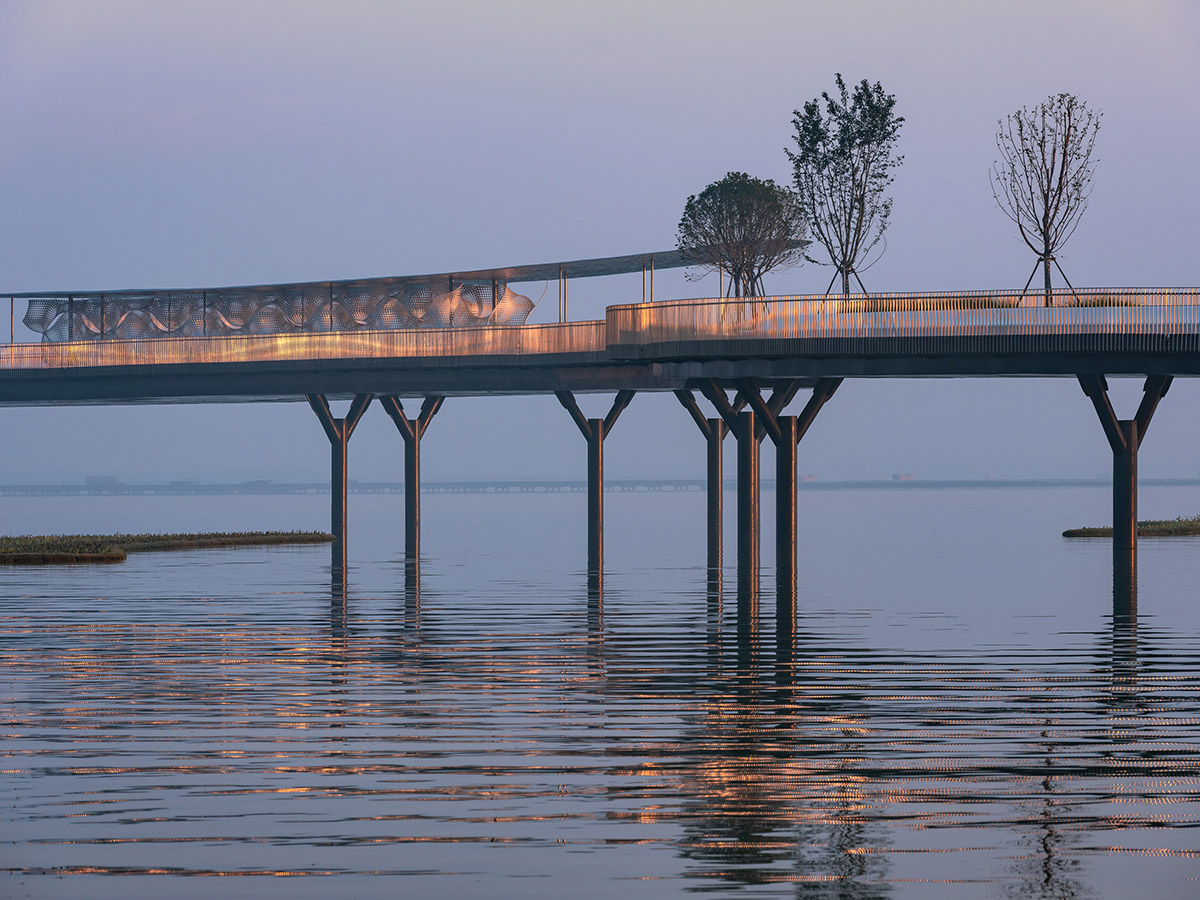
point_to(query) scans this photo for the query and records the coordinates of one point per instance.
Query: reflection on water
(553, 741)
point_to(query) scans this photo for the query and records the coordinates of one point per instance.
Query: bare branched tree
(845, 158)
(1043, 178)
(745, 227)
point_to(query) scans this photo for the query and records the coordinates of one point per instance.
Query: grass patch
(1180, 527)
(57, 549)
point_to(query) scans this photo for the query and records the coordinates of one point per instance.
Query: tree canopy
(1043, 178)
(844, 160)
(745, 227)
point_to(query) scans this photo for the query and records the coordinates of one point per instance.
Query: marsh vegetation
(55, 549)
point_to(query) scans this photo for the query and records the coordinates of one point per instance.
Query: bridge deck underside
(290, 380)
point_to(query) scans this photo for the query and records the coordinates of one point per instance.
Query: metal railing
(1091, 319)
(444, 344)
(962, 322)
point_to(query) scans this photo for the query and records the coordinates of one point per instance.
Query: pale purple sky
(150, 144)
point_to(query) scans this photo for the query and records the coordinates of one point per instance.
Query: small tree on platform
(1043, 178)
(845, 158)
(745, 227)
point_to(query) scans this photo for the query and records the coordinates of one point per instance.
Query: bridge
(465, 334)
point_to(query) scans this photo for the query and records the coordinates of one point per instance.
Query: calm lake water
(956, 715)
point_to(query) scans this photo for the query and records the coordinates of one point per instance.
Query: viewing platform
(466, 334)
(644, 346)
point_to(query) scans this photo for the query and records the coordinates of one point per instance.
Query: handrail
(446, 343)
(1004, 298)
(960, 322)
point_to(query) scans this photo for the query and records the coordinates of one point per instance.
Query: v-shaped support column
(594, 432)
(1125, 438)
(338, 431)
(412, 430)
(785, 432)
(714, 431)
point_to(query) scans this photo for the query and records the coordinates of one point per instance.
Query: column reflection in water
(337, 570)
(595, 587)
(412, 578)
(595, 602)
(830, 767)
(337, 615)
(1053, 818)
(412, 597)
(763, 803)
(714, 611)
(1123, 673)
(801, 762)
(1125, 585)
(785, 636)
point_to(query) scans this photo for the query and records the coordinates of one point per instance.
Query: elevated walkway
(763, 349)
(646, 346)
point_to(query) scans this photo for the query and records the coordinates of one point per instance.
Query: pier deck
(661, 346)
(750, 346)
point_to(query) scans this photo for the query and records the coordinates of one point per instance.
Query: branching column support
(338, 431)
(745, 432)
(750, 428)
(412, 431)
(594, 432)
(786, 433)
(714, 431)
(1125, 438)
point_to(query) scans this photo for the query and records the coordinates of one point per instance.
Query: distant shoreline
(108, 487)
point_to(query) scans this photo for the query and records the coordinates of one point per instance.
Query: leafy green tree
(845, 159)
(1043, 178)
(744, 227)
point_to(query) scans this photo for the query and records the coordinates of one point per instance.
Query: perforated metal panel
(451, 300)
(346, 306)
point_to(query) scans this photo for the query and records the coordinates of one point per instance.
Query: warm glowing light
(985, 321)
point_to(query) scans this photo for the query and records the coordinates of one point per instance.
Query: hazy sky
(186, 144)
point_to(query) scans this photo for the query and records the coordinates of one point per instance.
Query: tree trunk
(1046, 269)
(845, 281)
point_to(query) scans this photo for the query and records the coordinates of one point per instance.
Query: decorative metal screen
(375, 305)
(477, 298)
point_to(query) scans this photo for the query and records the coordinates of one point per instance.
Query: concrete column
(412, 430)
(747, 507)
(412, 499)
(594, 431)
(716, 488)
(338, 431)
(338, 444)
(785, 522)
(595, 478)
(1124, 542)
(1124, 437)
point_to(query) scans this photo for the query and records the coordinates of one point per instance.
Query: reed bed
(1180, 527)
(57, 549)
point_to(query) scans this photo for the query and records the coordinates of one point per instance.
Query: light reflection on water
(222, 713)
